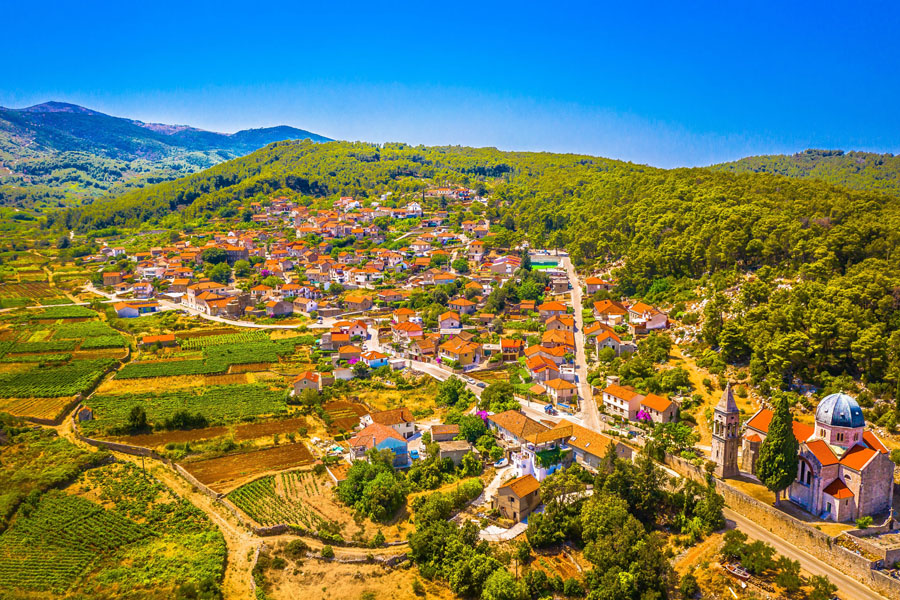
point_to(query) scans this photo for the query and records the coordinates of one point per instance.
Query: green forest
(857, 170)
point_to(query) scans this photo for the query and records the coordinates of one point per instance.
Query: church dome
(839, 410)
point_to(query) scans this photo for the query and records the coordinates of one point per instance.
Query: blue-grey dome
(840, 410)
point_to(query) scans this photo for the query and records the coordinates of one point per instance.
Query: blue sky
(668, 84)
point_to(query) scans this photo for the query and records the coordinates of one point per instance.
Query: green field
(61, 543)
(219, 404)
(216, 359)
(53, 382)
(268, 504)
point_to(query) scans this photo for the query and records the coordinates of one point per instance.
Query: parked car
(414, 454)
(501, 463)
(550, 410)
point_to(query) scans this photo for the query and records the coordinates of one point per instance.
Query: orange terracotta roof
(752, 438)
(763, 418)
(522, 486)
(308, 375)
(873, 442)
(152, 339)
(838, 490)
(609, 307)
(517, 423)
(657, 403)
(822, 452)
(552, 305)
(857, 457)
(560, 384)
(589, 441)
(626, 392)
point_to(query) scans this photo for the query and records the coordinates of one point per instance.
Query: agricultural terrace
(34, 293)
(227, 472)
(216, 358)
(219, 405)
(48, 356)
(306, 500)
(36, 460)
(243, 432)
(119, 544)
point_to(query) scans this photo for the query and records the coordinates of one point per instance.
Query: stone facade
(726, 435)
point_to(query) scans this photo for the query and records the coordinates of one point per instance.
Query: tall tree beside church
(777, 466)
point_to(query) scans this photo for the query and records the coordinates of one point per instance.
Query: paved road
(589, 412)
(847, 586)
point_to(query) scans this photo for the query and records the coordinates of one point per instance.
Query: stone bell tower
(726, 435)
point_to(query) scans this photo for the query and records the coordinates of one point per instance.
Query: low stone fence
(800, 534)
(888, 553)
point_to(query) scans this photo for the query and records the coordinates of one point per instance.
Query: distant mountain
(856, 170)
(57, 154)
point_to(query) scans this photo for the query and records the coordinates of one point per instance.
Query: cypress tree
(778, 460)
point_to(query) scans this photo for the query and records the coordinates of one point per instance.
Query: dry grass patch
(320, 580)
(39, 408)
(151, 384)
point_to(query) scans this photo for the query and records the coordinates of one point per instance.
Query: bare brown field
(227, 379)
(345, 415)
(251, 431)
(228, 472)
(161, 438)
(101, 353)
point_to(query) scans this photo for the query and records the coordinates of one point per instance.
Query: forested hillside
(58, 154)
(856, 170)
(823, 289)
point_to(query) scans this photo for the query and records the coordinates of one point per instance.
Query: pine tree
(777, 466)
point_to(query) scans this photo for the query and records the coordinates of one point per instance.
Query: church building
(844, 472)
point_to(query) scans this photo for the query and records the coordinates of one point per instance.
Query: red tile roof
(857, 457)
(822, 452)
(762, 419)
(838, 490)
(657, 403)
(522, 486)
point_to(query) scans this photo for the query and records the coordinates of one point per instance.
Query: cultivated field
(344, 415)
(227, 472)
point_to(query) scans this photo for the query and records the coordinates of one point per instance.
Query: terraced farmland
(225, 472)
(219, 404)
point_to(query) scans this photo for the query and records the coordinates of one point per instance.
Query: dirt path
(239, 541)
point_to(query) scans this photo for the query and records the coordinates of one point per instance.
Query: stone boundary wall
(889, 554)
(802, 535)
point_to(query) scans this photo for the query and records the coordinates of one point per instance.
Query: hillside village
(504, 368)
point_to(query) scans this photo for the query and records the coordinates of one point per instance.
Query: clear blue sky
(678, 83)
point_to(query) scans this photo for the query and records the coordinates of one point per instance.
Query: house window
(847, 478)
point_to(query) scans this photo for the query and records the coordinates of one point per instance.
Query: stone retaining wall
(800, 534)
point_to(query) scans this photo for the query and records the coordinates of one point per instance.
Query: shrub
(327, 552)
(296, 548)
(864, 522)
(417, 587)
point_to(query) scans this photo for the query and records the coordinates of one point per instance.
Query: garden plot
(227, 472)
